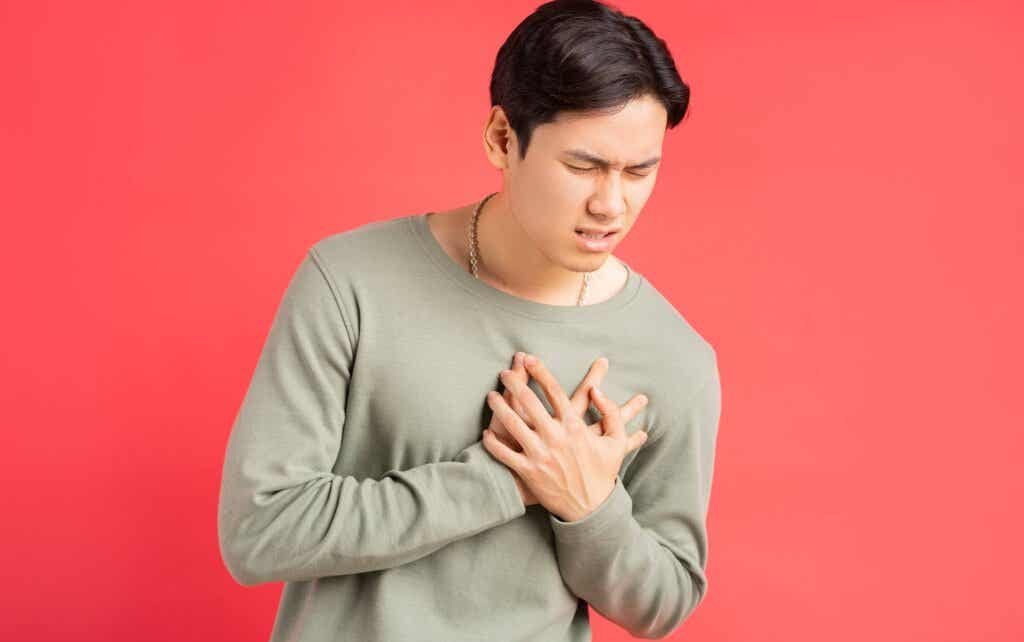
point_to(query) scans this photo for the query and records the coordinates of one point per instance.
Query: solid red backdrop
(839, 214)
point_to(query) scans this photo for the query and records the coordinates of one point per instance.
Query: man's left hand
(568, 468)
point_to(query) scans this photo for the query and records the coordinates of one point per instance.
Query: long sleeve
(283, 514)
(639, 559)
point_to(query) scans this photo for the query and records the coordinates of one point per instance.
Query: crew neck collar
(418, 225)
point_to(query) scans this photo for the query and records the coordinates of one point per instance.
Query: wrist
(519, 487)
(589, 510)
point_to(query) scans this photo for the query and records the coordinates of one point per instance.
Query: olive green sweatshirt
(355, 472)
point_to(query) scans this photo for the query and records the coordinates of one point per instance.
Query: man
(357, 471)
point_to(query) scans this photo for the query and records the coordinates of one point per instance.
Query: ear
(498, 138)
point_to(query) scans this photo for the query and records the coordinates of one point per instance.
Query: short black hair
(582, 56)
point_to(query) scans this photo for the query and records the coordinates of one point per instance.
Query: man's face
(556, 189)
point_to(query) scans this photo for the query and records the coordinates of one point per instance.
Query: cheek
(545, 198)
(564, 197)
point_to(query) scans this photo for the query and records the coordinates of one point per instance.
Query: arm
(639, 558)
(283, 515)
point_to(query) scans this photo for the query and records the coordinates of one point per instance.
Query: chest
(418, 386)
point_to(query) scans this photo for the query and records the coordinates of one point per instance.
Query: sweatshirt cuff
(506, 493)
(614, 510)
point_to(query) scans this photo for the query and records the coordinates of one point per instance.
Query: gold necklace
(473, 250)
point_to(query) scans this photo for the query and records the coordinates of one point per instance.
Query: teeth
(592, 236)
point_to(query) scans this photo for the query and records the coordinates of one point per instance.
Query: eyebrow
(587, 157)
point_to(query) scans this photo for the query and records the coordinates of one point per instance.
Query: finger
(552, 389)
(632, 407)
(514, 404)
(517, 363)
(611, 419)
(511, 400)
(497, 427)
(504, 454)
(502, 433)
(514, 424)
(637, 439)
(595, 375)
(536, 414)
(520, 369)
(500, 430)
(627, 412)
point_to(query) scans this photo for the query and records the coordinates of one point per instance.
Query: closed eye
(584, 170)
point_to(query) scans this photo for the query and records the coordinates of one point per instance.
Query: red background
(840, 215)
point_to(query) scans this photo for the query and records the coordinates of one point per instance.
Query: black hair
(582, 56)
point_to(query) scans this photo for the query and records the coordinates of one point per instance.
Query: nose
(608, 204)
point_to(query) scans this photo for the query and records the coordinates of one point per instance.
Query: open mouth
(593, 237)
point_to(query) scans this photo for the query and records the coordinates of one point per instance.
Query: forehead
(630, 134)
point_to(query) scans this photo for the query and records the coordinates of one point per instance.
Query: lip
(600, 245)
(598, 230)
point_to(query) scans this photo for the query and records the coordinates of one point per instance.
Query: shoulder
(685, 381)
(683, 345)
(681, 371)
(370, 255)
(364, 262)
(364, 243)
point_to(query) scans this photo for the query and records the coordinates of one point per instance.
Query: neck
(510, 260)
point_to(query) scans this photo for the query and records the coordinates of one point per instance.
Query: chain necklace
(473, 250)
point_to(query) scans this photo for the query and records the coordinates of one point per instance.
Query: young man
(357, 471)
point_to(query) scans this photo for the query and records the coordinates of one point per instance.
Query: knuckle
(575, 424)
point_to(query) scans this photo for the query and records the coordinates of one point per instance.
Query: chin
(589, 262)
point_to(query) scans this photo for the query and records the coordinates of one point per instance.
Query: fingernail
(518, 358)
(597, 391)
(530, 359)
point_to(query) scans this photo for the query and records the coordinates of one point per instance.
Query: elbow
(659, 630)
(242, 574)
(238, 555)
(691, 594)
(663, 628)
(239, 565)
